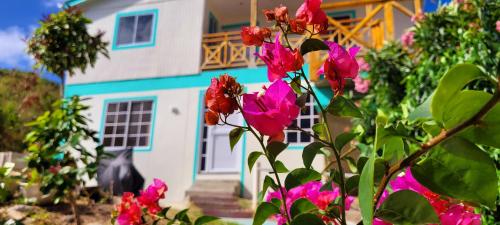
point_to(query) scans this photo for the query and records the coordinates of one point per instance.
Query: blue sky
(18, 18)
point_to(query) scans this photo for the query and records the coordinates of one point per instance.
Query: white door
(220, 159)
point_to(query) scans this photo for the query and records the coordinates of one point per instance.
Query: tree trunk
(76, 214)
(61, 86)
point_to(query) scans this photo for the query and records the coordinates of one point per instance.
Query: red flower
(280, 14)
(129, 212)
(311, 12)
(298, 26)
(220, 98)
(340, 65)
(254, 35)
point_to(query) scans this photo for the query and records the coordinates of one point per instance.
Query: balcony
(223, 50)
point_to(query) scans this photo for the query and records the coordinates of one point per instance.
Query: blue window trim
(71, 3)
(153, 118)
(351, 13)
(152, 43)
(199, 130)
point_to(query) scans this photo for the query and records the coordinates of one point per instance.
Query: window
(128, 123)
(136, 29)
(307, 118)
(204, 143)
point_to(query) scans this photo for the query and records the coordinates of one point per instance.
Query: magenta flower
(418, 17)
(459, 215)
(498, 25)
(340, 65)
(149, 198)
(280, 60)
(129, 212)
(407, 39)
(363, 65)
(271, 112)
(361, 85)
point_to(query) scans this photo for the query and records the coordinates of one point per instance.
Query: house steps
(218, 198)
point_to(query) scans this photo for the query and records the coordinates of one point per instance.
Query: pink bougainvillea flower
(458, 214)
(363, 65)
(311, 12)
(280, 60)
(407, 39)
(498, 25)
(149, 198)
(129, 212)
(361, 85)
(270, 112)
(418, 17)
(340, 65)
(254, 35)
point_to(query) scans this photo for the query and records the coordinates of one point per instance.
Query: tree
(63, 44)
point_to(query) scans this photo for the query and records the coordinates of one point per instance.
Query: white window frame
(136, 15)
(312, 116)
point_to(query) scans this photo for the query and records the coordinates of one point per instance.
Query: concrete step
(217, 204)
(232, 213)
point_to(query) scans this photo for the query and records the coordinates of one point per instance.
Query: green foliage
(300, 206)
(264, 211)
(407, 207)
(23, 96)
(63, 44)
(57, 156)
(366, 185)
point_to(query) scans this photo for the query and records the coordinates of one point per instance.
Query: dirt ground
(91, 214)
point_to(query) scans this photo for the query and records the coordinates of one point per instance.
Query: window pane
(145, 129)
(131, 141)
(108, 130)
(136, 106)
(126, 30)
(304, 138)
(110, 119)
(134, 118)
(118, 141)
(305, 123)
(112, 107)
(122, 118)
(144, 28)
(306, 110)
(143, 141)
(133, 129)
(146, 117)
(107, 142)
(124, 107)
(147, 106)
(120, 130)
(291, 137)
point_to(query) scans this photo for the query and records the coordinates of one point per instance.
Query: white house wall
(178, 41)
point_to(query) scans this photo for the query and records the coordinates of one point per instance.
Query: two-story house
(163, 53)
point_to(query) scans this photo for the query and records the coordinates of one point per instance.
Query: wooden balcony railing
(226, 49)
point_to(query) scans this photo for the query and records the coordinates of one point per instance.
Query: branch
(444, 135)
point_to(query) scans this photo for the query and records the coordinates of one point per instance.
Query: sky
(18, 19)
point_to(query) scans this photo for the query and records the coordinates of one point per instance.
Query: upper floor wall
(147, 38)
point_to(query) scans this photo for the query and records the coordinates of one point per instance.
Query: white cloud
(13, 48)
(53, 3)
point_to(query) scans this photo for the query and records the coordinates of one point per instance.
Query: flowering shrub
(444, 168)
(146, 209)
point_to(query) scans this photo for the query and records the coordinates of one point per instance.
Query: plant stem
(74, 208)
(424, 148)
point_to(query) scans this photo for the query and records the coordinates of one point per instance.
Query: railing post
(253, 22)
(314, 61)
(389, 20)
(418, 6)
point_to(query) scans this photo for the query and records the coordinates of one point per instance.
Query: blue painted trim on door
(197, 142)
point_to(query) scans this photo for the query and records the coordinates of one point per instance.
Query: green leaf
(280, 167)
(488, 131)
(423, 111)
(310, 152)
(300, 206)
(163, 212)
(352, 185)
(252, 158)
(268, 182)
(311, 45)
(393, 150)
(274, 149)
(407, 207)
(342, 139)
(204, 220)
(343, 107)
(182, 216)
(264, 211)
(295, 84)
(300, 176)
(307, 219)
(451, 85)
(320, 129)
(459, 169)
(366, 192)
(234, 136)
(351, 163)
